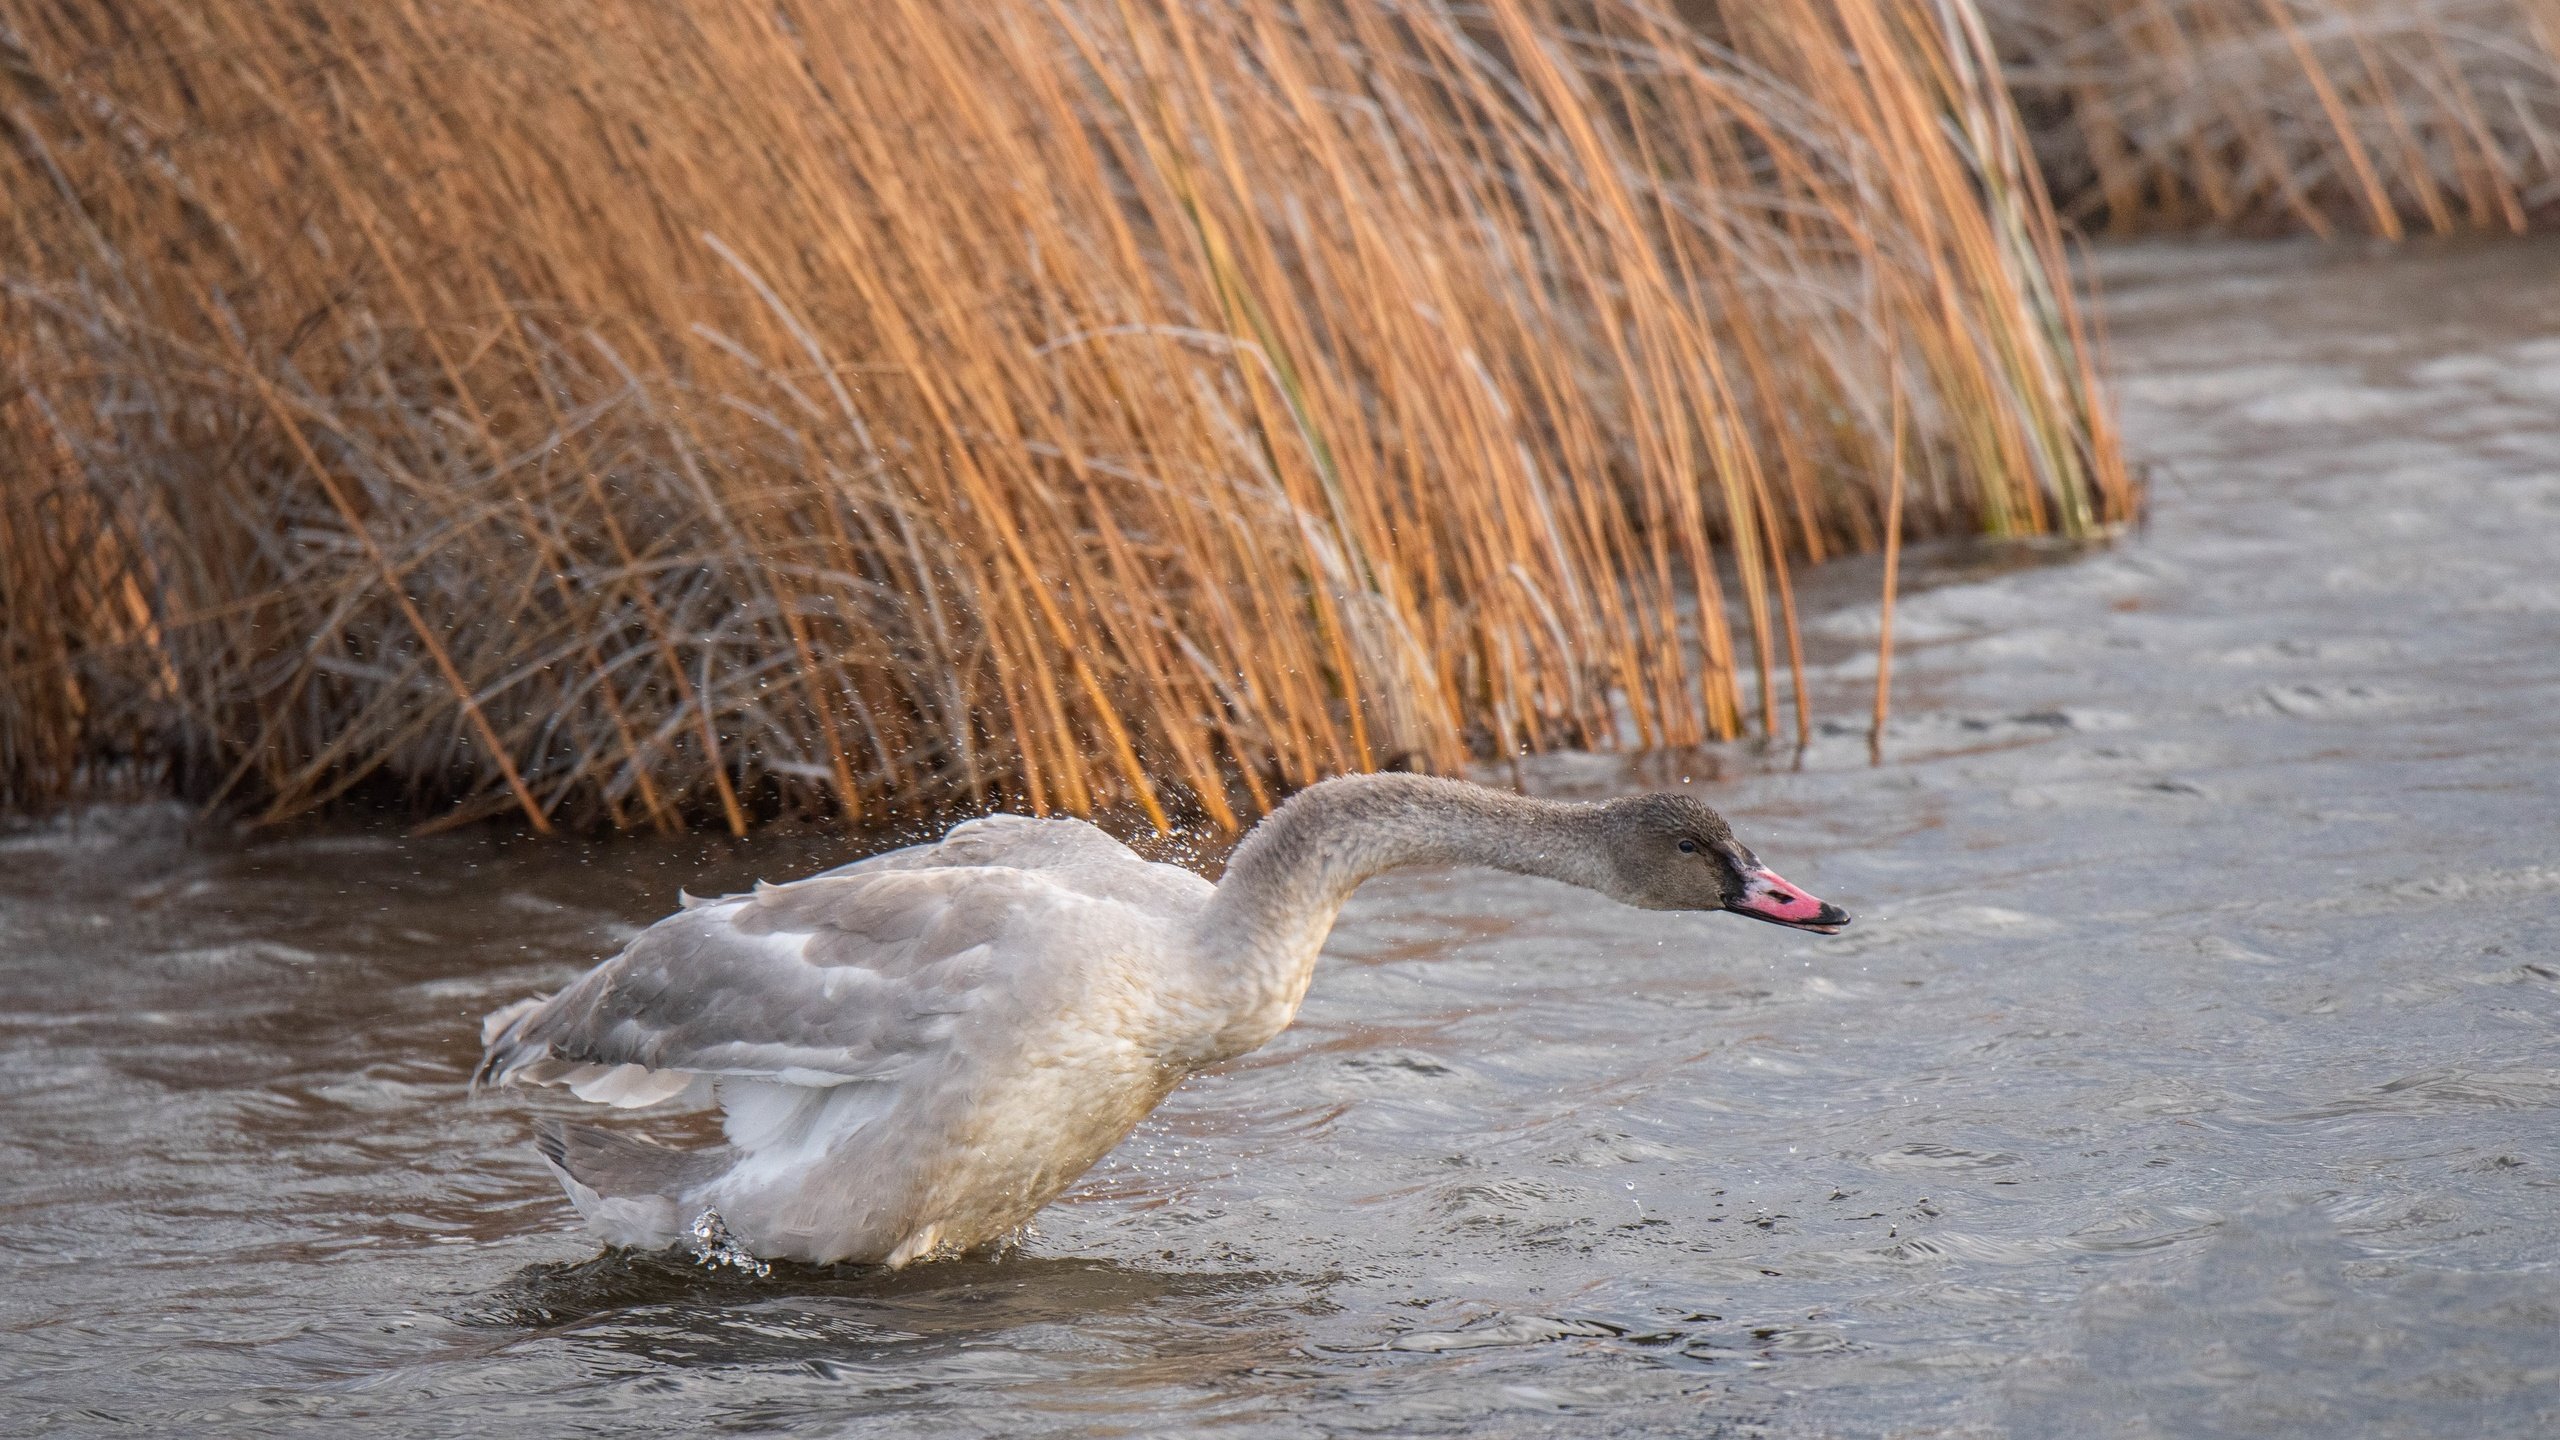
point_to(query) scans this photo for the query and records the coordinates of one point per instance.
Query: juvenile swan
(917, 1051)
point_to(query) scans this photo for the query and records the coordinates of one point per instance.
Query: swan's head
(1673, 853)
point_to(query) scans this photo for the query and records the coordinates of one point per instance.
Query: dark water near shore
(2194, 1069)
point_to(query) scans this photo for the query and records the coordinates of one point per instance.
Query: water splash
(713, 1246)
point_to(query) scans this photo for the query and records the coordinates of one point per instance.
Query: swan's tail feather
(613, 1164)
(632, 1192)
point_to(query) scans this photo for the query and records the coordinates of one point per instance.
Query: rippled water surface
(2191, 1071)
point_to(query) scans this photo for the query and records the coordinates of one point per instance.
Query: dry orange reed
(636, 413)
(2380, 117)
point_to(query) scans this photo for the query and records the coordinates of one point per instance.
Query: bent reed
(2333, 117)
(646, 414)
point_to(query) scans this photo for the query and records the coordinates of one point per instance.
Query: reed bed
(2377, 117)
(650, 414)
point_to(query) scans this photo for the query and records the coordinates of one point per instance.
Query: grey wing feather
(1017, 842)
(815, 983)
(858, 973)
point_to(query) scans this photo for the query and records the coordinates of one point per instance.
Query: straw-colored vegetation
(647, 413)
(2382, 117)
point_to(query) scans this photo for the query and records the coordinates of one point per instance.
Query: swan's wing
(1073, 854)
(843, 977)
(1017, 842)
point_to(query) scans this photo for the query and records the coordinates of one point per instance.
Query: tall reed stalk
(652, 413)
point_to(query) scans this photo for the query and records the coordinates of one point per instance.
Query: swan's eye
(1688, 847)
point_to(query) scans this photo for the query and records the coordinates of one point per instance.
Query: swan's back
(873, 1030)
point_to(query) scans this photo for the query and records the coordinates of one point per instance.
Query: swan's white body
(917, 1051)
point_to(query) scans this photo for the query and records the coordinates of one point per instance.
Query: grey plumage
(616, 1164)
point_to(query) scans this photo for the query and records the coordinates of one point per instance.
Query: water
(2191, 1071)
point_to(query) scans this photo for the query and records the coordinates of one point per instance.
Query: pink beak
(1767, 897)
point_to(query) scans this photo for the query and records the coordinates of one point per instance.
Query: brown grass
(662, 412)
(2380, 117)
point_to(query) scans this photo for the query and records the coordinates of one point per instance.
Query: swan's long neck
(1257, 940)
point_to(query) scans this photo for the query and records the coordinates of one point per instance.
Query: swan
(915, 1052)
